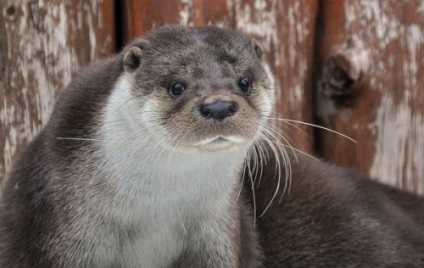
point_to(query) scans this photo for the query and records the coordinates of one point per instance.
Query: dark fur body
(330, 218)
(334, 217)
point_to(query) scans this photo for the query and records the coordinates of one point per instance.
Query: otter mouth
(219, 143)
(219, 140)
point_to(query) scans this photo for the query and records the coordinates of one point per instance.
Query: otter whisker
(285, 157)
(77, 139)
(253, 194)
(181, 219)
(241, 180)
(126, 102)
(314, 125)
(289, 126)
(256, 162)
(280, 135)
(279, 178)
(263, 158)
(298, 151)
(277, 154)
(271, 136)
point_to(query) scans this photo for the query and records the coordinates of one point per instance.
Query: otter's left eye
(244, 84)
(176, 88)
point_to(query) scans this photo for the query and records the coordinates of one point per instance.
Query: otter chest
(157, 247)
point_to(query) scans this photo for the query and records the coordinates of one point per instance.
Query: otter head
(199, 88)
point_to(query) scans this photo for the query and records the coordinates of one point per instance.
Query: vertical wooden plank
(42, 44)
(284, 28)
(143, 15)
(383, 109)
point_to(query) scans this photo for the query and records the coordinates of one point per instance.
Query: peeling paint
(44, 52)
(397, 47)
(185, 12)
(285, 39)
(260, 21)
(399, 144)
(285, 29)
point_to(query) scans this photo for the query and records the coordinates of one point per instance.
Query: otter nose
(219, 109)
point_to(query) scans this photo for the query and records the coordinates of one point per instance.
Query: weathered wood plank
(42, 45)
(384, 109)
(144, 15)
(286, 29)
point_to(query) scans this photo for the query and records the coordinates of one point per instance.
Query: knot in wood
(343, 72)
(11, 12)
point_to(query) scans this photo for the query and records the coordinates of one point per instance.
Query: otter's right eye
(176, 89)
(244, 85)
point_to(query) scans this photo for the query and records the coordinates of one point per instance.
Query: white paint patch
(421, 7)
(185, 12)
(260, 22)
(297, 32)
(399, 145)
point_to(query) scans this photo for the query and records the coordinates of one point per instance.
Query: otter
(139, 162)
(161, 156)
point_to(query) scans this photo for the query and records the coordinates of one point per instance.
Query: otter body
(142, 165)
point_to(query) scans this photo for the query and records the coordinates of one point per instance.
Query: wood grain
(385, 112)
(42, 45)
(144, 15)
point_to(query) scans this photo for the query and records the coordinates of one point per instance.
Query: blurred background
(353, 66)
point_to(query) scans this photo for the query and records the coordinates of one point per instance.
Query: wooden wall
(372, 56)
(42, 45)
(350, 65)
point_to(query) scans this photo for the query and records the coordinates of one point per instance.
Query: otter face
(200, 88)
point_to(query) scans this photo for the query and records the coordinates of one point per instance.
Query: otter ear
(133, 55)
(132, 58)
(257, 48)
